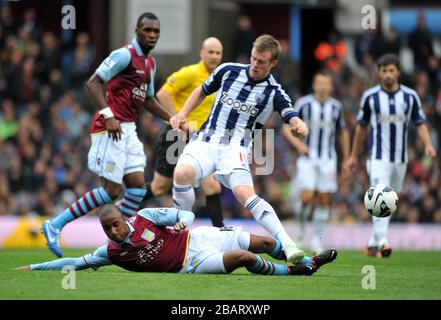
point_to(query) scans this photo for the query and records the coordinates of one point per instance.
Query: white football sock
(303, 216)
(380, 227)
(320, 217)
(265, 215)
(183, 196)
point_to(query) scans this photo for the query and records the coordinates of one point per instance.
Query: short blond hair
(267, 42)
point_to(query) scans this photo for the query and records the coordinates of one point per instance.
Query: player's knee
(184, 175)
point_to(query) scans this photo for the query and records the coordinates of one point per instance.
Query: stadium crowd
(45, 117)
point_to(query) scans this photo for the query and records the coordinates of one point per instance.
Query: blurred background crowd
(45, 116)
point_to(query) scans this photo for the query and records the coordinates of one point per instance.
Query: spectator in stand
(420, 41)
(243, 42)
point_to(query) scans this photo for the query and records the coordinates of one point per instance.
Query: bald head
(109, 210)
(211, 53)
(113, 223)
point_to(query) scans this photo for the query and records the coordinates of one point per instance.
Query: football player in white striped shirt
(388, 108)
(316, 177)
(246, 97)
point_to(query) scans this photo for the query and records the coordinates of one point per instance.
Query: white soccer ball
(381, 200)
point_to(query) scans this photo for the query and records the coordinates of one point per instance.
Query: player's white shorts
(390, 174)
(114, 159)
(316, 175)
(207, 246)
(228, 163)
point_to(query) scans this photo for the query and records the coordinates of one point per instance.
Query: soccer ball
(381, 201)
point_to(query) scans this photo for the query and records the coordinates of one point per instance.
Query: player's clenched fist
(180, 227)
(177, 121)
(299, 129)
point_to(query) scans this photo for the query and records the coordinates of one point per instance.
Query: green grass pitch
(405, 275)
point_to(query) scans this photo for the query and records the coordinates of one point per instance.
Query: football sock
(277, 252)
(321, 216)
(91, 200)
(264, 214)
(303, 216)
(263, 266)
(183, 196)
(380, 226)
(214, 208)
(131, 201)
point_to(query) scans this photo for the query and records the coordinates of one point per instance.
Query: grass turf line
(405, 275)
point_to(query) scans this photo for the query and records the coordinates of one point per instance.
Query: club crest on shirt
(259, 97)
(148, 235)
(110, 166)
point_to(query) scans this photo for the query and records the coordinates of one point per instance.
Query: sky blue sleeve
(92, 260)
(116, 62)
(167, 216)
(61, 264)
(151, 85)
(98, 258)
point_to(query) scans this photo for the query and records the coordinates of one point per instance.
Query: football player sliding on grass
(157, 240)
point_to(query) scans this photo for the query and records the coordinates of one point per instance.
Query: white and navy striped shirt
(389, 115)
(323, 120)
(240, 105)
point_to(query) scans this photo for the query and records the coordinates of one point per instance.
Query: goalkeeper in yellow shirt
(172, 95)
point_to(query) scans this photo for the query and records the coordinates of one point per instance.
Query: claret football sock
(131, 201)
(277, 252)
(91, 200)
(263, 266)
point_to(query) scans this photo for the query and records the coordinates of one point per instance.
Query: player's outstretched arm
(157, 109)
(194, 100)
(59, 264)
(298, 128)
(94, 260)
(301, 147)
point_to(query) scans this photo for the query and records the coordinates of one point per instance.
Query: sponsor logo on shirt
(239, 106)
(140, 93)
